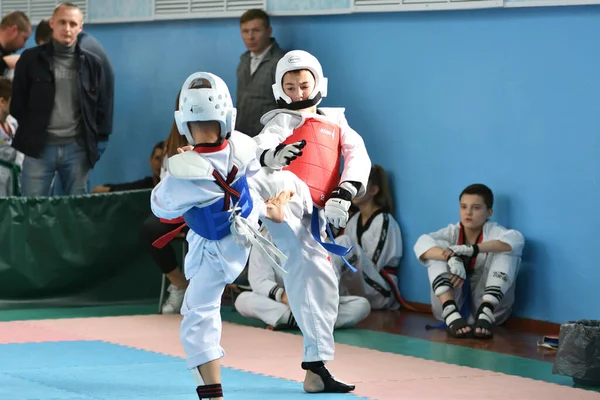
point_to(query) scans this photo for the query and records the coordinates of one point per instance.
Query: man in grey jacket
(256, 71)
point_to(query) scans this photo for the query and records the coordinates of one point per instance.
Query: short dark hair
(66, 5)
(158, 146)
(43, 32)
(18, 18)
(5, 88)
(256, 13)
(481, 190)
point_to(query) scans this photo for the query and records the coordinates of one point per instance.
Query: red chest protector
(319, 165)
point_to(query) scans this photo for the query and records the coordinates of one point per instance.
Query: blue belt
(332, 247)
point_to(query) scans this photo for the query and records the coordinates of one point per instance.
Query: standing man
(59, 100)
(256, 72)
(43, 34)
(15, 30)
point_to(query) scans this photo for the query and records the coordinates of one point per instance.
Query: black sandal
(452, 328)
(483, 323)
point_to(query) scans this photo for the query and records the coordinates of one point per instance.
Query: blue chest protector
(213, 222)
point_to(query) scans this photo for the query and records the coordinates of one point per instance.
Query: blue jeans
(69, 162)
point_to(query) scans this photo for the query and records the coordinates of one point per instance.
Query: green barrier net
(75, 251)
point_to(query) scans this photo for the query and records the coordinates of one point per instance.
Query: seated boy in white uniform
(268, 300)
(480, 249)
(11, 160)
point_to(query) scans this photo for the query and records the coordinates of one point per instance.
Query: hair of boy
(481, 190)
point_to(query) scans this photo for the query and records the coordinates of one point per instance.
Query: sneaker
(174, 300)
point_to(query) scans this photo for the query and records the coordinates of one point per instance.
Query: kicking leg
(276, 206)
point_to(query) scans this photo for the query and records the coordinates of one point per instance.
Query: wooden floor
(512, 338)
(517, 337)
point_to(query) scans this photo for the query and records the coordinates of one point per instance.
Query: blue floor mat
(93, 370)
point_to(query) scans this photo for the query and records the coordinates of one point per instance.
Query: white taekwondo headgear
(293, 61)
(205, 97)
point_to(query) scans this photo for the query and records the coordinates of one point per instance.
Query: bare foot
(482, 331)
(313, 383)
(464, 330)
(276, 206)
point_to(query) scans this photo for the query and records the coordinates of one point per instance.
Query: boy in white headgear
(207, 184)
(301, 148)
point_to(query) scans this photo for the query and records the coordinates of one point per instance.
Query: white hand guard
(457, 267)
(282, 155)
(336, 212)
(465, 250)
(336, 208)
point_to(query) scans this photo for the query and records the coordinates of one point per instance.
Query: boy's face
(473, 211)
(4, 108)
(298, 85)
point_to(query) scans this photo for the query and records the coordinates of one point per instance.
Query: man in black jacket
(59, 102)
(43, 34)
(91, 44)
(15, 29)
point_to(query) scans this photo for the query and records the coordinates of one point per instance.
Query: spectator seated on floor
(375, 240)
(146, 183)
(11, 161)
(268, 300)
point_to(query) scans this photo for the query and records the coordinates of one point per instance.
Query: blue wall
(509, 98)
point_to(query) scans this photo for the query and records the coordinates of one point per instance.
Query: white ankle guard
(450, 312)
(486, 311)
(441, 284)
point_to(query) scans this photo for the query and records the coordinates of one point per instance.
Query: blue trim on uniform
(213, 222)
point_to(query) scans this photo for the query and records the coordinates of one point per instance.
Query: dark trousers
(151, 230)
